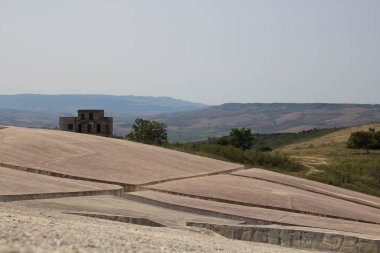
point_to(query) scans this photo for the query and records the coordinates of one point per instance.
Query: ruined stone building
(88, 121)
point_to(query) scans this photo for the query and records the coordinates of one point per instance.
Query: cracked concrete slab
(107, 160)
(19, 185)
(254, 192)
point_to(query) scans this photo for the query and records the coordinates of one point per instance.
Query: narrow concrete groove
(204, 212)
(256, 205)
(11, 198)
(120, 218)
(60, 175)
(361, 202)
(127, 187)
(228, 172)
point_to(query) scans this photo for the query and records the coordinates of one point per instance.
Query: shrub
(361, 140)
(148, 131)
(251, 157)
(241, 138)
(265, 149)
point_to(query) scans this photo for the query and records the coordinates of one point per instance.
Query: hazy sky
(205, 51)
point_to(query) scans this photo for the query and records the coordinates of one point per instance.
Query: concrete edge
(122, 218)
(199, 211)
(326, 193)
(9, 198)
(126, 187)
(227, 201)
(222, 172)
(295, 238)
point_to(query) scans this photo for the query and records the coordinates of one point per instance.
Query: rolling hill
(43, 111)
(331, 162)
(265, 118)
(186, 121)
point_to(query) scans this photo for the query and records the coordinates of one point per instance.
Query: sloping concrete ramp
(68, 164)
(100, 159)
(311, 186)
(19, 185)
(115, 206)
(253, 192)
(252, 215)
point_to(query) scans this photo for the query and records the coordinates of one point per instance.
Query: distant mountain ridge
(186, 121)
(113, 104)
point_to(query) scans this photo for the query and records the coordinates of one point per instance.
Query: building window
(91, 116)
(89, 129)
(70, 127)
(82, 116)
(98, 128)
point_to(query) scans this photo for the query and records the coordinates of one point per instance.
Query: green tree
(241, 138)
(148, 131)
(224, 141)
(376, 136)
(361, 140)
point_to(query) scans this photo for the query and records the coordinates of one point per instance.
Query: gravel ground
(27, 230)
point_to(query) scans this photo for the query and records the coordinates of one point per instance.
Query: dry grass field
(325, 149)
(329, 161)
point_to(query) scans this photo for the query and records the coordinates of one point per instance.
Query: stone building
(89, 122)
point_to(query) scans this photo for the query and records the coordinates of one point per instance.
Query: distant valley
(186, 121)
(265, 118)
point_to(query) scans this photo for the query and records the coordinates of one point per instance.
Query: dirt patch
(313, 160)
(37, 230)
